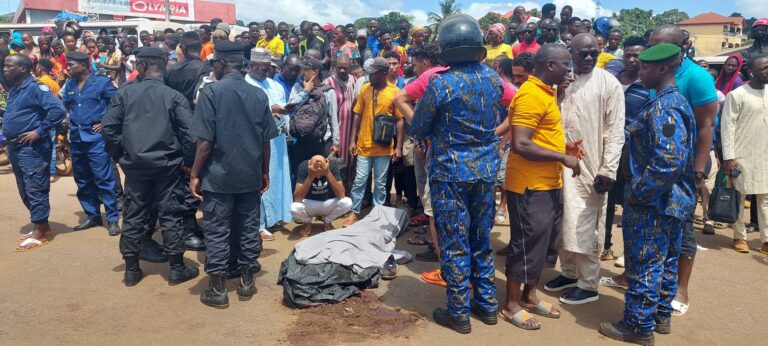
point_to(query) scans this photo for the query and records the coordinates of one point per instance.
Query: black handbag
(383, 125)
(724, 202)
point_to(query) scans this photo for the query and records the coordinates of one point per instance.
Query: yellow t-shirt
(364, 106)
(493, 52)
(603, 58)
(275, 46)
(47, 80)
(535, 107)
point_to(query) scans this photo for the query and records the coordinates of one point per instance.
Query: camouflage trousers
(651, 252)
(464, 214)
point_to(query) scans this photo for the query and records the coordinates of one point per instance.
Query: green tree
(447, 8)
(362, 23)
(669, 17)
(491, 18)
(240, 22)
(634, 21)
(391, 19)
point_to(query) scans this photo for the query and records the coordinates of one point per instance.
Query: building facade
(182, 11)
(712, 33)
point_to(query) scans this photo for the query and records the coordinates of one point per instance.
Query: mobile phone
(735, 173)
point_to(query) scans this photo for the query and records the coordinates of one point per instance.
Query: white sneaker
(619, 262)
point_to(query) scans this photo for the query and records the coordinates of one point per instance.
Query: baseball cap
(378, 65)
(362, 33)
(328, 27)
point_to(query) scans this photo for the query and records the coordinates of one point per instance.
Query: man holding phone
(593, 114)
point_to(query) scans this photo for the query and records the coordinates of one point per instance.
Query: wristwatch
(699, 175)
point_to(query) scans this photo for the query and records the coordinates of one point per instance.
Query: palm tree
(447, 8)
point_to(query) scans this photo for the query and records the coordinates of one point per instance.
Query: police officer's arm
(204, 128)
(112, 128)
(668, 156)
(55, 114)
(181, 119)
(426, 110)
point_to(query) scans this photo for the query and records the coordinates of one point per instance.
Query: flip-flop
(266, 235)
(30, 244)
(544, 309)
(519, 319)
(608, 281)
(418, 240)
(679, 308)
(420, 230)
(25, 236)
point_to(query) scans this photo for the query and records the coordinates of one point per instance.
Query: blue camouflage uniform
(32, 106)
(658, 199)
(459, 112)
(91, 166)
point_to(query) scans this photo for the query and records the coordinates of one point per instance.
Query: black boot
(89, 223)
(443, 318)
(114, 229)
(193, 241)
(621, 332)
(247, 289)
(216, 294)
(663, 325)
(152, 252)
(133, 273)
(179, 271)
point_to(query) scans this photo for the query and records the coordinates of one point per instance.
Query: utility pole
(167, 10)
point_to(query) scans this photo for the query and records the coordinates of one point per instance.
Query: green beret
(659, 52)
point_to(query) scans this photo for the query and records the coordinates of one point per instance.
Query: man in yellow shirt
(534, 182)
(496, 45)
(271, 42)
(376, 99)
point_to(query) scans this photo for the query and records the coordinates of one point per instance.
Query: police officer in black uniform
(32, 111)
(146, 129)
(233, 125)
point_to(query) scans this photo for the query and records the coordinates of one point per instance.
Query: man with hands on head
(319, 193)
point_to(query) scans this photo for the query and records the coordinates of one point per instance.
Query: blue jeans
(364, 165)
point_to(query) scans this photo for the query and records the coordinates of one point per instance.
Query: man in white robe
(593, 112)
(743, 127)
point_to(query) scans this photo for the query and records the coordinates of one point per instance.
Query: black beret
(228, 47)
(152, 53)
(77, 56)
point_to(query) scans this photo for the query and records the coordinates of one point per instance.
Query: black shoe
(389, 270)
(114, 229)
(619, 331)
(152, 252)
(192, 242)
(233, 273)
(247, 289)
(444, 319)
(489, 318)
(429, 256)
(179, 271)
(708, 229)
(133, 272)
(663, 325)
(216, 294)
(578, 296)
(89, 223)
(560, 283)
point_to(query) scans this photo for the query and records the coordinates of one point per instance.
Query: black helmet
(460, 40)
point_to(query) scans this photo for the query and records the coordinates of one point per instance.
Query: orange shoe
(350, 220)
(434, 278)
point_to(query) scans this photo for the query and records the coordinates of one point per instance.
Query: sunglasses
(551, 29)
(526, 31)
(590, 53)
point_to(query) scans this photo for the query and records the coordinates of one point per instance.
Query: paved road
(70, 292)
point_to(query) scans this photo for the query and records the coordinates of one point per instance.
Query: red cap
(328, 27)
(47, 30)
(761, 21)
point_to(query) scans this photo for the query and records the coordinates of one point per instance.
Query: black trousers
(191, 204)
(142, 192)
(231, 228)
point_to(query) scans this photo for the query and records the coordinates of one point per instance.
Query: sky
(346, 11)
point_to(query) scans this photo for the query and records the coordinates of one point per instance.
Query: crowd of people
(563, 117)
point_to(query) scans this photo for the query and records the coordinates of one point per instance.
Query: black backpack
(310, 123)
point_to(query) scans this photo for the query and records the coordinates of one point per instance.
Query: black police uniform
(146, 129)
(236, 118)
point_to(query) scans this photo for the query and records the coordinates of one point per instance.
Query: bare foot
(306, 231)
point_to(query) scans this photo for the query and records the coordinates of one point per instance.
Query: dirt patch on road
(354, 320)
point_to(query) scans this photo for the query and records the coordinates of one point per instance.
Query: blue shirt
(695, 84)
(635, 98)
(373, 44)
(459, 112)
(31, 106)
(661, 144)
(287, 86)
(87, 105)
